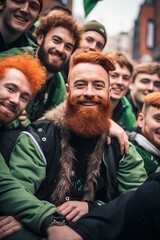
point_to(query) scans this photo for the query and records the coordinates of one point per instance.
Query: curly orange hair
(29, 66)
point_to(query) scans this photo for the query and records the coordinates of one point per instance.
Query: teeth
(21, 19)
(117, 89)
(53, 54)
(88, 104)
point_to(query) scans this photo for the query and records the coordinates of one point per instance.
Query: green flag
(89, 5)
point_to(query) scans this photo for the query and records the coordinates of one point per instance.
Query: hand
(62, 233)
(122, 137)
(8, 226)
(23, 117)
(73, 210)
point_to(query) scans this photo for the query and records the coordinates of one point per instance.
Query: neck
(8, 35)
(114, 103)
(49, 75)
(136, 104)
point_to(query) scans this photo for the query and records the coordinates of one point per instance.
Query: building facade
(146, 37)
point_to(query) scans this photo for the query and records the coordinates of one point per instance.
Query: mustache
(82, 99)
(58, 54)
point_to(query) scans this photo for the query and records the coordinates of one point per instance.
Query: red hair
(152, 99)
(29, 66)
(94, 58)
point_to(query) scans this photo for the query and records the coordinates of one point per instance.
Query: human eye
(157, 117)
(99, 85)
(88, 39)
(69, 47)
(80, 85)
(56, 40)
(25, 98)
(99, 46)
(157, 84)
(18, 1)
(126, 78)
(35, 6)
(144, 80)
(113, 75)
(10, 88)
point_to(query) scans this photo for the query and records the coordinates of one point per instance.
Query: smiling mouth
(56, 55)
(22, 19)
(8, 108)
(88, 104)
(117, 89)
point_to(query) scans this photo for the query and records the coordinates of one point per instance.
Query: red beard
(89, 122)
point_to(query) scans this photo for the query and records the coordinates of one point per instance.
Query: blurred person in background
(145, 79)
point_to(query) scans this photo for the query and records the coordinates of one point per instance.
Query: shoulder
(17, 51)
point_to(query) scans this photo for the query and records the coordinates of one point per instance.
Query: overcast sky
(116, 15)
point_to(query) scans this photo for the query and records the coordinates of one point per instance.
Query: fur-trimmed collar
(64, 184)
(56, 115)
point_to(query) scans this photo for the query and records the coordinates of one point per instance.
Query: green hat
(97, 27)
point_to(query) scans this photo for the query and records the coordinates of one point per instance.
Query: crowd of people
(79, 131)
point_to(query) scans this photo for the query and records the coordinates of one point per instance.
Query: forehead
(61, 32)
(123, 70)
(152, 77)
(16, 77)
(12, 73)
(152, 111)
(23, 1)
(93, 34)
(88, 71)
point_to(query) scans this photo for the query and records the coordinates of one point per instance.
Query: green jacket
(39, 106)
(149, 153)
(124, 116)
(31, 174)
(28, 162)
(16, 201)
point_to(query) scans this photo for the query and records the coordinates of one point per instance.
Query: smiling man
(145, 80)
(18, 85)
(93, 38)
(82, 168)
(146, 137)
(16, 18)
(57, 37)
(120, 80)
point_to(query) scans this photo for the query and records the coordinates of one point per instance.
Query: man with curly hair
(64, 158)
(57, 37)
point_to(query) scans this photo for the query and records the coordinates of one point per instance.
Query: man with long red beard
(65, 157)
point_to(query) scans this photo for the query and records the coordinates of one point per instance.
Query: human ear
(40, 39)
(140, 119)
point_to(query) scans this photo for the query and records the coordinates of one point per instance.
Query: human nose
(150, 87)
(120, 80)
(60, 47)
(25, 7)
(89, 91)
(92, 46)
(14, 99)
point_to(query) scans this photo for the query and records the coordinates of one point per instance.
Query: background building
(146, 37)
